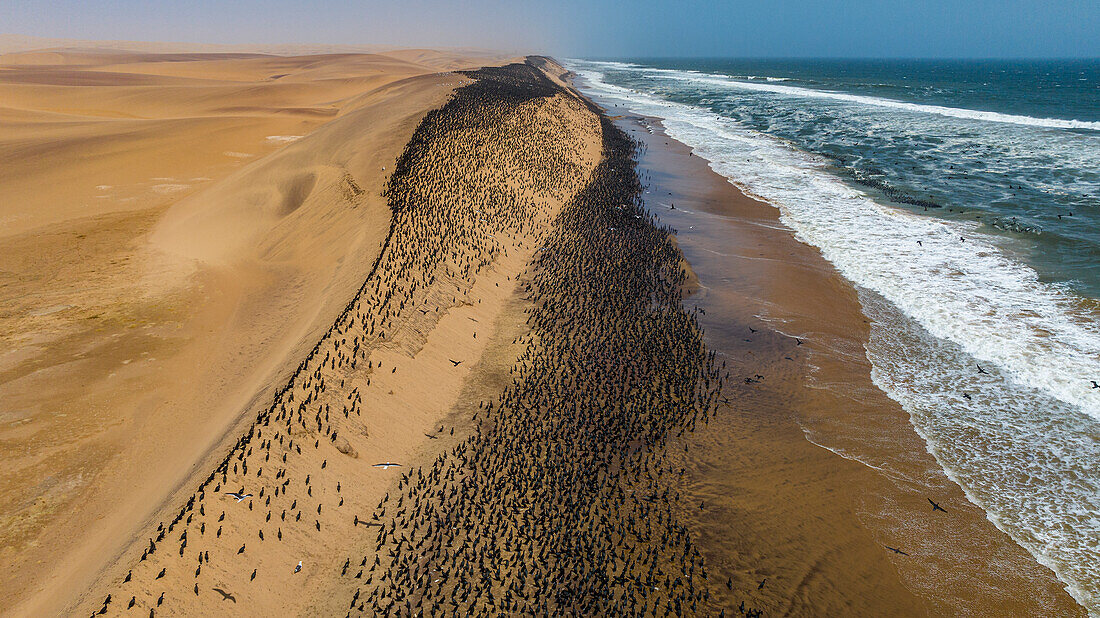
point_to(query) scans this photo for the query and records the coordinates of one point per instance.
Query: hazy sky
(865, 28)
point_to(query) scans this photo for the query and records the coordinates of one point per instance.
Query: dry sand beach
(402, 333)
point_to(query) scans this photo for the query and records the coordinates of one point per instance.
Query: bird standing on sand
(298, 568)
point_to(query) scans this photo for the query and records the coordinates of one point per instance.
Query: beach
(411, 332)
(814, 471)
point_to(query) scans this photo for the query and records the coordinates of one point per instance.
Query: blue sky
(850, 28)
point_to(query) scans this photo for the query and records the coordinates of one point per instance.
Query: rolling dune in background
(164, 218)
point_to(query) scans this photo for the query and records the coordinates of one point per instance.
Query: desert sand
(178, 230)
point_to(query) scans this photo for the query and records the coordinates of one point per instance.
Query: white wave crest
(797, 91)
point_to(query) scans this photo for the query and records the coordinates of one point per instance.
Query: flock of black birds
(562, 501)
(559, 497)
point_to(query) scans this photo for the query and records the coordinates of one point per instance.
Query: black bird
(799, 341)
(133, 600)
(433, 437)
(895, 550)
(455, 363)
(761, 586)
(980, 370)
(966, 396)
(1094, 384)
(936, 507)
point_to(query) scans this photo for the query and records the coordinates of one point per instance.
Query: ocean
(962, 199)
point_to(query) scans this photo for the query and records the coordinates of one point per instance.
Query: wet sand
(810, 472)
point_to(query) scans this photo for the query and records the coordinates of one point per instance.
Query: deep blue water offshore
(962, 198)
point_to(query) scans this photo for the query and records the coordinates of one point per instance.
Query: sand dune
(163, 263)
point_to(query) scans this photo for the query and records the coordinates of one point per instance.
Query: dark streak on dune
(563, 501)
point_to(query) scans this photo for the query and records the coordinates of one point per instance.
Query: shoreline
(984, 333)
(860, 460)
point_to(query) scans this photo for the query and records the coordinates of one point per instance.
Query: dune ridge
(446, 272)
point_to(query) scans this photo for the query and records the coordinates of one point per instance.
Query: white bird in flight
(386, 465)
(238, 496)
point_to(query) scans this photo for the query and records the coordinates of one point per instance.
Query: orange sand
(177, 230)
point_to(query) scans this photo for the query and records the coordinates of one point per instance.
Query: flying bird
(455, 363)
(237, 495)
(936, 507)
(387, 465)
(980, 370)
(895, 550)
(225, 595)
